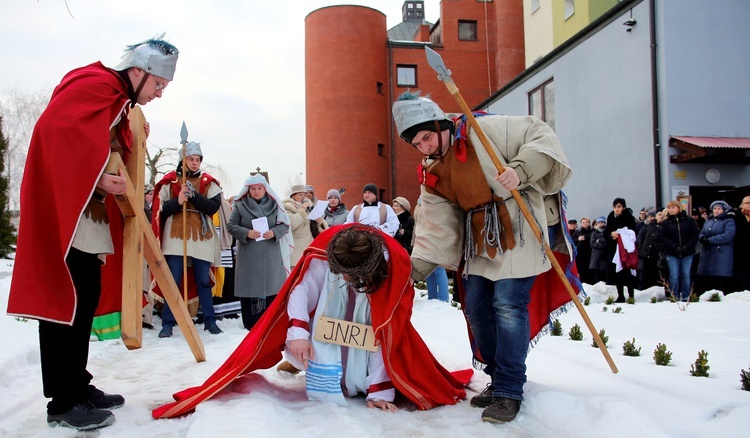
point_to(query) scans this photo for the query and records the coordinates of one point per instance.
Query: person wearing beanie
(678, 236)
(374, 213)
(716, 263)
(68, 166)
(406, 222)
(336, 212)
(463, 195)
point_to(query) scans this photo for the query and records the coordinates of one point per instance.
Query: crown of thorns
(362, 275)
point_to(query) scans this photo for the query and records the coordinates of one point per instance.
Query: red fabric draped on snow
(404, 350)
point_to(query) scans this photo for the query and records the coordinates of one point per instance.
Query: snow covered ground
(571, 391)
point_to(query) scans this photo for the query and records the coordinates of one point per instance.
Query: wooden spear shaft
(184, 231)
(453, 89)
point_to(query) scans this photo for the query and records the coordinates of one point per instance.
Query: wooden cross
(139, 241)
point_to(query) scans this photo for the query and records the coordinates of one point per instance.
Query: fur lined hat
(721, 204)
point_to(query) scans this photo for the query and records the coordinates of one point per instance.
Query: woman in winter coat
(406, 223)
(678, 236)
(598, 263)
(620, 217)
(296, 207)
(717, 257)
(262, 257)
(336, 211)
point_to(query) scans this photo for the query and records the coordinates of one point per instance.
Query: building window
(467, 30)
(419, 5)
(407, 75)
(381, 150)
(570, 8)
(535, 5)
(379, 87)
(542, 102)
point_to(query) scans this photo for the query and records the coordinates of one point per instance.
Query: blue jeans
(437, 285)
(498, 314)
(203, 284)
(679, 276)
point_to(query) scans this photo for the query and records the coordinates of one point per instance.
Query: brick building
(355, 68)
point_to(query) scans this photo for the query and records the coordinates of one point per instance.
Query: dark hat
(651, 212)
(572, 221)
(370, 188)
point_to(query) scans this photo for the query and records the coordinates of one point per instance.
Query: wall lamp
(630, 23)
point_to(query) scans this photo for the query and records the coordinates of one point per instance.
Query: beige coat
(300, 228)
(532, 149)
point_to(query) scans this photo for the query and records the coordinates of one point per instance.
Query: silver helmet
(155, 56)
(411, 109)
(193, 148)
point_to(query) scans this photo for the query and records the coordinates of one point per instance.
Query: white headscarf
(286, 242)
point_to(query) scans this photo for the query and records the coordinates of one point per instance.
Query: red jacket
(391, 305)
(69, 149)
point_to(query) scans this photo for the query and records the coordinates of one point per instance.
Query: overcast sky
(239, 84)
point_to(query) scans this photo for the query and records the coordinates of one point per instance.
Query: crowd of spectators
(708, 249)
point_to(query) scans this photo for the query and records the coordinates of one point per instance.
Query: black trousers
(64, 349)
(253, 309)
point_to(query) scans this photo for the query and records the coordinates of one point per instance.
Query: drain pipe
(655, 105)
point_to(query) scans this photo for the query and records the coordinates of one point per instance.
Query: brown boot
(286, 367)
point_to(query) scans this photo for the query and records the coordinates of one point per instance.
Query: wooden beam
(159, 267)
(131, 325)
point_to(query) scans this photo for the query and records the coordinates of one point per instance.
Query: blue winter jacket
(718, 257)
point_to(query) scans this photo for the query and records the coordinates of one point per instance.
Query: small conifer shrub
(604, 337)
(557, 329)
(617, 309)
(630, 300)
(745, 379)
(700, 367)
(653, 300)
(575, 333)
(629, 349)
(662, 356)
(610, 300)
(604, 309)
(587, 301)
(693, 297)
(715, 297)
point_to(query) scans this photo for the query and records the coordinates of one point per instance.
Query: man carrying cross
(63, 243)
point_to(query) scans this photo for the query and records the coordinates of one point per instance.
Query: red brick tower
(353, 76)
(347, 107)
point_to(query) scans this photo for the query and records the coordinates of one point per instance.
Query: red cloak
(68, 152)
(403, 349)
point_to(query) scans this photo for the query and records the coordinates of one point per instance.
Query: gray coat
(259, 270)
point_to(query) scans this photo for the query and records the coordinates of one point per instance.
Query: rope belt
(491, 231)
